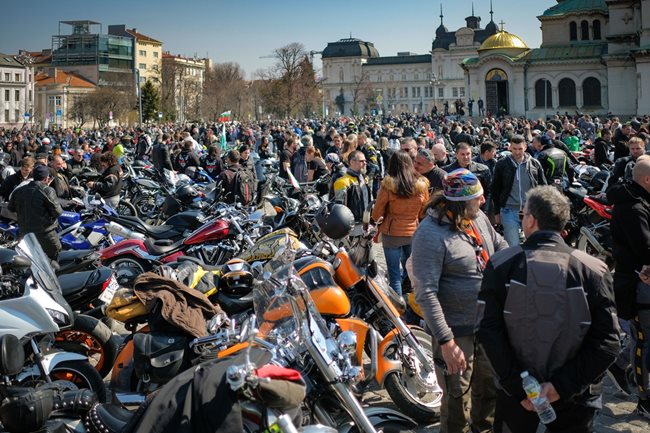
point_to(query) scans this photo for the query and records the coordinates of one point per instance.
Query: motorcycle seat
(159, 247)
(70, 256)
(73, 283)
(156, 232)
(231, 305)
(107, 418)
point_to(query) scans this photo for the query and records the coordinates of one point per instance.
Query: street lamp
(434, 82)
(139, 94)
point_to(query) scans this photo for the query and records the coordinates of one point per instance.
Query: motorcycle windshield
(289, 319)
(42, 271)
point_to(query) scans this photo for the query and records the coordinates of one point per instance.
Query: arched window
(341, 75)
(540, 93)
(573, 31)
(591, 92)
(567, 92)
(584, 31)
(596, 26)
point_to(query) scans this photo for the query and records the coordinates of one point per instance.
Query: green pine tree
(150, 102)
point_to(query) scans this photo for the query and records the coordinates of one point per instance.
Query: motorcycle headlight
(59, 318)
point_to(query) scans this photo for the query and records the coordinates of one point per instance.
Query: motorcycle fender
(129, 246)
(360, 328)
(385, 366)
(123, 367)
(50, 361)
(378, 415)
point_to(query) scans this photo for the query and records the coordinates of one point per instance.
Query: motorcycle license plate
(108, 293)
(94, 238)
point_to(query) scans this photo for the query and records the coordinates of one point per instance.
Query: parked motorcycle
(31, 308)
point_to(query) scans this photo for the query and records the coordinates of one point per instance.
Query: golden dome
(503, 40)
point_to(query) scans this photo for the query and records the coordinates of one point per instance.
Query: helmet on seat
(186, 193)
(335, 221)
(236, 279)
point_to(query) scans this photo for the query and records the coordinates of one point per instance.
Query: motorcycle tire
(389, 427)
(422, 413)
(145, 206)
(583, 244)
(126, 209)
(82, 374)
(138, 266)
(92, 338)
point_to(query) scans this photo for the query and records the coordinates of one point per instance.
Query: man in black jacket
(12, 181)
(631, 236)
(38, 208)
(548, 309)
(160, 156)
(514, 176)
(602, 147)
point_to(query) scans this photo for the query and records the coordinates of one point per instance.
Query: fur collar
(390, 184)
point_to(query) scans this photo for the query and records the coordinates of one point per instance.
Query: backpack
(243, 186)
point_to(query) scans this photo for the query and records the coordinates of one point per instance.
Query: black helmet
(186, 193)
(336, 221)
(236, 279)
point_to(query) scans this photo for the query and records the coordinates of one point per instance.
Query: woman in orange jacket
(400, 202)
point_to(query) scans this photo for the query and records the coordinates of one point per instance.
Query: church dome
(503, 40)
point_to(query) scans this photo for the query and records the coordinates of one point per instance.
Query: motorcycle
(32, 311)
(291, 326)
(595, 237)
(215, 242)
(351, 290)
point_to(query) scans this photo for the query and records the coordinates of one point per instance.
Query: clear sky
(243, 30)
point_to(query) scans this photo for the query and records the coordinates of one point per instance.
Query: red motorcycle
(215, 242)
(595, 237)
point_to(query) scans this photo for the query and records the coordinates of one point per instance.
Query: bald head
(641, 172)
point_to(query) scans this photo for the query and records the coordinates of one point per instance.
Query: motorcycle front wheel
(415, 392)
(80, 373)
(92, 338)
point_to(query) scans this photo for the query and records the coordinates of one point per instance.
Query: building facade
(147, 53)
(56, 94)
(182, 88)
(16, 91)
(103, 59)
(594, 58)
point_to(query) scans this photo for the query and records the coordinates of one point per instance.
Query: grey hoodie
(445, 274)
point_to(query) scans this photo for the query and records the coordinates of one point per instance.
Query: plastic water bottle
(541, 404)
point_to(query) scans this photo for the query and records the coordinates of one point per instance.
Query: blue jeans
(396, 264)
(511, 225)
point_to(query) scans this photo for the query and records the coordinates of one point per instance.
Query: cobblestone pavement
(618, 413)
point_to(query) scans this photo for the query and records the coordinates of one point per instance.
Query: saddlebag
(25, 410)
(158, 358)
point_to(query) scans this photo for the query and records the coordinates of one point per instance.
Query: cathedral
(594, 58)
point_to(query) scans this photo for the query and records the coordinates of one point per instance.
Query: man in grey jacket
(449, 252)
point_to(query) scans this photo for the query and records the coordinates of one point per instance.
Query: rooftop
(62, 77)
(350, 47)
(400, 60)
(575, 6)
(141, 37)
(8, 60)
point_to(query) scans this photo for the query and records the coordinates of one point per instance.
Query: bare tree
(79, 113)
(363, 93)
(98, 104)
(223, 90)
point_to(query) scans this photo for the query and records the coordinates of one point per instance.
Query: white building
(16, 91)
(594, 58)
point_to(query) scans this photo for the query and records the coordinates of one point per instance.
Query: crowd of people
(469, 214)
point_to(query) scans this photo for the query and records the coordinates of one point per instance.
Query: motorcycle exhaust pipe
(119, 230)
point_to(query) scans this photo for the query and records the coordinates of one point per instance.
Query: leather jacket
(37, 207)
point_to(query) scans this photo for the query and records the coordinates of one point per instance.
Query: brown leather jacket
(401, 215)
